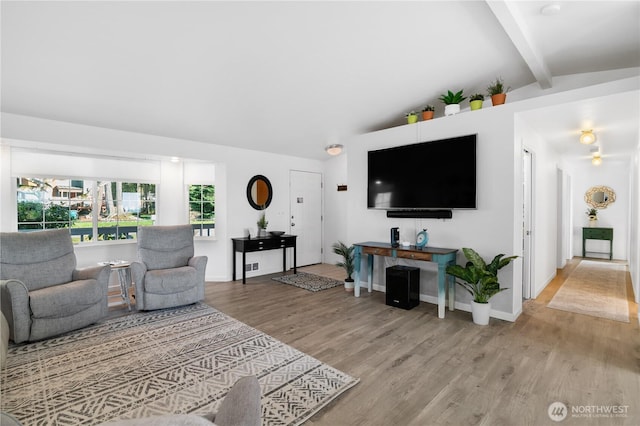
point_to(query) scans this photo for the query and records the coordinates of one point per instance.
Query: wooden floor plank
(416, 369)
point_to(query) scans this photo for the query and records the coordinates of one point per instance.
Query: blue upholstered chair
(42, 294)
(167, 274)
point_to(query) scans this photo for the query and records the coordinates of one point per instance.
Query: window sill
(104, 243)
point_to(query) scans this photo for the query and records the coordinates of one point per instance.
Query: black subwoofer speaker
(403, 286)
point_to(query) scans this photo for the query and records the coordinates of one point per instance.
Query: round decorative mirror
(599, 197)
(259, 192)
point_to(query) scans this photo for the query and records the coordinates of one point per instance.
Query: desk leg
(442, 289)
(370, 272)
(452, 289)
(357, 253)
(295, 259)
(234, 265)
(244, 267)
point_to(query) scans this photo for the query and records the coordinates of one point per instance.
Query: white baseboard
(458, 305)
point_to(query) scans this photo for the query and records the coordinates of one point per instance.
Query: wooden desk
(246, 245)
(597, 234)
(441, 256)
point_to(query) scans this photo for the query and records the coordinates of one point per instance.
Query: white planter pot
(593, 223)
(348, 285)
(451, 109)
(480, 312)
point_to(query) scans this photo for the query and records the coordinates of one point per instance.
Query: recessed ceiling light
(550, 9)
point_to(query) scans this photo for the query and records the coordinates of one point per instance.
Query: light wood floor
(416, 369)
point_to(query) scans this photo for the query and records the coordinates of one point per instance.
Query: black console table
(247, 245)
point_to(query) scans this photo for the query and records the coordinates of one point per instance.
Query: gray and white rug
(309, 282)
(181, 360)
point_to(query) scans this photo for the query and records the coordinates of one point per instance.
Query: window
(202, 211)
(93, 210)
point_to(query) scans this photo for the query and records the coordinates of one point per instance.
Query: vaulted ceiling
(292, 77)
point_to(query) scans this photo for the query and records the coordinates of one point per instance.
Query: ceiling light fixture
(334, 149)
(175, 159)
(587, 137)
(596, 160)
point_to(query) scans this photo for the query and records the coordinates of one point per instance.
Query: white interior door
(306, 215)
(527, 220)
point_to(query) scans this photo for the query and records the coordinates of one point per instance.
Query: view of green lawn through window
(93, 210)
(202, 209)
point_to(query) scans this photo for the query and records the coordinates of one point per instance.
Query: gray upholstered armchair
(167, 274)
(42, 293)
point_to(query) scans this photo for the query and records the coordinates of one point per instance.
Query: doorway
(527, 223)
(306, 215)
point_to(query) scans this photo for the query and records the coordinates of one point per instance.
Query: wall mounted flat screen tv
(438, 174)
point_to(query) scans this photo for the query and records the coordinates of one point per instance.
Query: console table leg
(452, 291)
(357, 259)
(370, 273)
(442, 289)
(244, 268)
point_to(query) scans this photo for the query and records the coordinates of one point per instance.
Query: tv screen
(439, 174)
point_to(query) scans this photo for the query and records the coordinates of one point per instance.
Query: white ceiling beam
(514, 25)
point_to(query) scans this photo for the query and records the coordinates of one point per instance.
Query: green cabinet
(597, 234)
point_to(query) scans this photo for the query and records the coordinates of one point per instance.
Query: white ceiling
(293, 77)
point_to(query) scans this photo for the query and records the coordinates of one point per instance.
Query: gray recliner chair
(42, 293)
(167, 274)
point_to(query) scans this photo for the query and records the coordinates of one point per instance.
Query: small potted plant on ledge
(497, 92)
(475, 101)
(427, 112)
(412, 117)
(341, 249)
(452, 102)
(481, 281)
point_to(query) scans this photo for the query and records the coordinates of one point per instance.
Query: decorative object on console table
(475, 101)
(593, 217)
(427, 112)
(481, 281)
(262, 225)
(347, 262)
(422, 239)
(497, 92)
(452, 102)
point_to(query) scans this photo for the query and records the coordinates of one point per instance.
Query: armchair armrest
(99, 273)
(14, 302)
(138, 269)
(198, 262)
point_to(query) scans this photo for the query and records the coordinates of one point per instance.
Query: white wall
(489, 229)
(545, 206)
(335, 202)
(614, 174)
(233, 168)
(634, 225)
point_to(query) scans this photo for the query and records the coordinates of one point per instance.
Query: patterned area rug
(309, 282)
(598, 289)
(181, 360)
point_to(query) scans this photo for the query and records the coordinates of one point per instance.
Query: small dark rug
(309, 282)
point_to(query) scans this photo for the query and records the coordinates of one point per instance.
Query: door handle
(293, 224)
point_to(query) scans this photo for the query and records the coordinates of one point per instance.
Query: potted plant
(262, 225)
(480, 280)
(497, 92)
(427, 112)
(452, 102)
(341, 249)
(475, 101)
(593, 217)
(412, 117)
